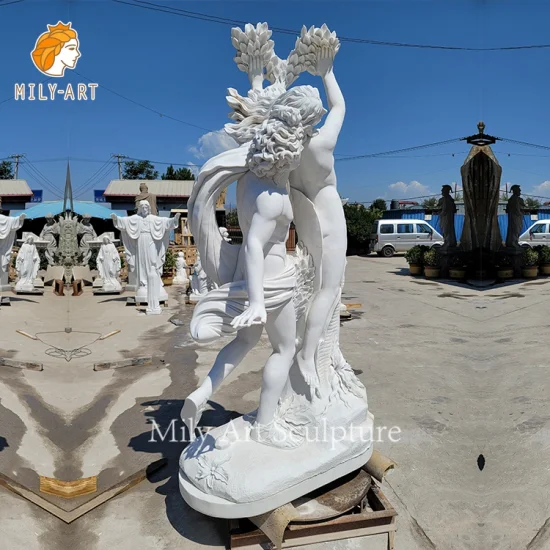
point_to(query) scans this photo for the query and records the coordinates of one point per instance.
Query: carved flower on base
(212, 471)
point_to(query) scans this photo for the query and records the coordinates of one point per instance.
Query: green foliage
(430, 203)
(169, 261)
(231, 218)
(544, 255)
(457, 261)
(139, 170)
(431, 257)
(530, 258)
(379, 204)
(180, 174)
(6, 170)
(504, 262)
(532, 203)
(359, 222)
(92, 262)
(415, 255)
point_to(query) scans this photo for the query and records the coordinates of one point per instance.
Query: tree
(180, 174)
(6, 170)
(139, 170)
(379, 204)
(532, 203)
(231, 218)
(430, 203)
(359, 221)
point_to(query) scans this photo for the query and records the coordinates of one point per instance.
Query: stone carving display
(8, 228)
(87, 233)
(268, 458)
(146, 236)
(225, 234)
(514, 209)
(49, 233)
(27, 264)
(108, 266)
(447, 211)
(181, 273)
(68, 250)
(144, 195)
(200, 283)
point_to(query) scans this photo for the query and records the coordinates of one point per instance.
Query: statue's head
(143, 187)
(516, 189)
(180, 254)
(279, 142)
(49, 218)
(86, 219)
(29, 239)
(446, 190)
(59, 44)
(144, 208)
(106, 240)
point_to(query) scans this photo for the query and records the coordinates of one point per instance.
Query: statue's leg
(227, 360)
(332, 269)
(281, 329)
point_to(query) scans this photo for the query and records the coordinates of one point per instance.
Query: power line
(96, 176)
(12, 2)
(227, 21)
(145, 106)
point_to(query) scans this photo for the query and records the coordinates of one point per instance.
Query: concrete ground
(461, 373)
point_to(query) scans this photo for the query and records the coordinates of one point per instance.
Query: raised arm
(335, 118)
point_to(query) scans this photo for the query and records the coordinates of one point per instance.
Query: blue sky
(396, 97)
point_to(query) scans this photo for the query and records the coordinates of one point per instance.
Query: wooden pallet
(359, 522)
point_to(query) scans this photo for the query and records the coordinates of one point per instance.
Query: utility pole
(16, 157)
(119, 159)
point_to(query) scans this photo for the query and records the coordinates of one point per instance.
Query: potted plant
(504, 268)
(544, 260)
(457, 269)
(530, 260)
(431, 263)
(169, 266)
(415, 259)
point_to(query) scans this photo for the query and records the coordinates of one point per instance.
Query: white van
(391, 236)
(536, 235)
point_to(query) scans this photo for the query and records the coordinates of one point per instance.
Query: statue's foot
(192, 410)
(274, 435)
(309, 372)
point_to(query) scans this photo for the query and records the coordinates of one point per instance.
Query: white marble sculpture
(87, 233)
(200, 283)
(8, 228)
(181, 278)
(27, 264)
(48, 233)
(288, 447)
(146, 236)
(108, 266)
(225, 234)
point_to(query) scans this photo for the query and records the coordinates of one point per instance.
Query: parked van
(536, 235)
(391, 236)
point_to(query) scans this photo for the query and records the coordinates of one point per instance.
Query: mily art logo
(55, 51)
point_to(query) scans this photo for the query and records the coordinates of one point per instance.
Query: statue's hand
(254, 315)
(324, 61)
(113, 216)
(22, 216)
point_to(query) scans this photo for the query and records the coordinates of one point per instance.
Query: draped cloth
(108, 265)
(214, 312)
(8, 227)
(27, 264)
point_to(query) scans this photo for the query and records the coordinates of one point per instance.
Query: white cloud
(543, 187)
(404, 190)
(212, 144)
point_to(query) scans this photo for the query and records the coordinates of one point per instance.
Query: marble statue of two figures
(146, 238)
(284, 168)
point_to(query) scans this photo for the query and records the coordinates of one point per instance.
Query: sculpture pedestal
(4, 282)
(446, 256)
(141, 295)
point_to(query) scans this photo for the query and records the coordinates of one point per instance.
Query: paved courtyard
(462, 373)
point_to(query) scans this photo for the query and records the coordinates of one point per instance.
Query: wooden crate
(244, 535)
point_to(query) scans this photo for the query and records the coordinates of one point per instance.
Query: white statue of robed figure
(148, 237)
(109, 266)
(181, 278)
(27, 264)
(284, 170)
(8, 229)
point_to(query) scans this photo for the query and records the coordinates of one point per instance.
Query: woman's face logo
(56, 50)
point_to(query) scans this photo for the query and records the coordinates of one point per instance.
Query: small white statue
(181, 273)
(27, 264)
(199, 279)
(147, 237)
(109, 266)
(225, 234)
(8, 229)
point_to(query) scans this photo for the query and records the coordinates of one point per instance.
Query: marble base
(5, 288)
(141, 295)
(309, 468)
(98, 291)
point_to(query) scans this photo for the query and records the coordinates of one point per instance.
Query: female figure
(109, 265)
(258, 282)
(56, 50)
(26, 265)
